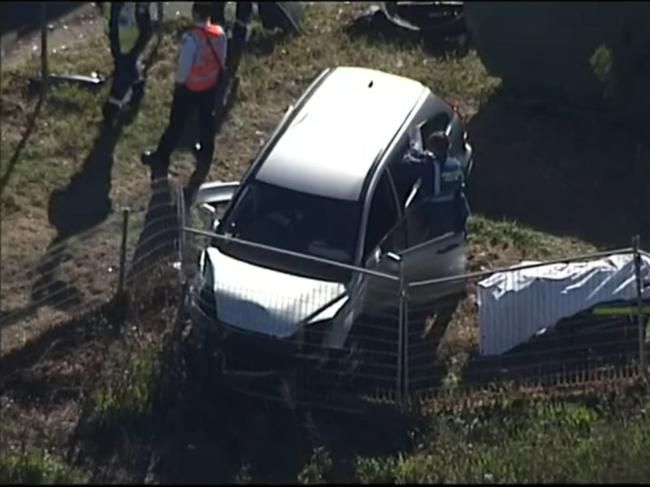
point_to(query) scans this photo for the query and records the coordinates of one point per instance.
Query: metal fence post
(639, 291)
(404, 296)
(400, 340)
(402, 346)
(181, 212)
(125, 230)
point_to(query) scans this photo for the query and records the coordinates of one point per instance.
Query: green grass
(125, 393)
(37, 467)
(503, 237)
(70, 120)
(563, 442)
(554, 442)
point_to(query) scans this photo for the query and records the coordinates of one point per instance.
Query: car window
(382, 218)
(291, 220)
(402, 176)
(406, 175)
(438, 123)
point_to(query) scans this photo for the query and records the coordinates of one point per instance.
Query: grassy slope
(547, 441)
(69, 123)
(270, 79)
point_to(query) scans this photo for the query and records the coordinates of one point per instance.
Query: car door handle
(448, 248)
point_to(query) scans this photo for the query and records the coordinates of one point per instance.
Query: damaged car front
(274, 293)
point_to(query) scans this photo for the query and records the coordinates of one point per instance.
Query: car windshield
(295, 221)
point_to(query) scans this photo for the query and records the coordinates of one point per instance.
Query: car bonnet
(266, 301)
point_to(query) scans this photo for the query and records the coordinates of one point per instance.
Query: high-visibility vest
(126, 25)
(448, 180)
(205, 70)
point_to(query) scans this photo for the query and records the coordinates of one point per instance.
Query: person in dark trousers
(200, 67)
(447, 200)
(128, 25)
(239, 33)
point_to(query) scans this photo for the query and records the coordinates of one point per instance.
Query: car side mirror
(208, 215)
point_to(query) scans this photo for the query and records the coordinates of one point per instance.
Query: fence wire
(328, 340)
(277, 323)
(419, 340)
(82, 272)
(526, 324)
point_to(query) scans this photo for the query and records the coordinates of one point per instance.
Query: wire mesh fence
(552, 323)
(321, 332)
(86, 270)
(294, 327)
(538, 323)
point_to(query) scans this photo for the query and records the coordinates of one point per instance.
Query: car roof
(330, 145)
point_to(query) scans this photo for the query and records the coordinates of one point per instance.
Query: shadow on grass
(65, 337)
(159, 238)
(425, 333)
(217, 435)
(83, 203)
(574, 346)
(565, 173)
(264, 42)
(15, 157)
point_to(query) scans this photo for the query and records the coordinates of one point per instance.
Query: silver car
(323, 223)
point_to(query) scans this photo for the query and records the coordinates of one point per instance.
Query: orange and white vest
(206, 67)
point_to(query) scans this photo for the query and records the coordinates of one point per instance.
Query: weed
(536, 442)
(33, 466)
(317, 470)
(126, 398)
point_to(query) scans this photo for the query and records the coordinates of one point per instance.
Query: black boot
(149, 158)
(158, 166)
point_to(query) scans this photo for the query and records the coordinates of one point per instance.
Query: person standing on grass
(201, 64)
(243, 17)
(128, 26)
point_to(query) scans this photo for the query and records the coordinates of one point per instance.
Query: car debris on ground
(430, 20)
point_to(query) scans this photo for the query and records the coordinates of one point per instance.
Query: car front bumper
(233, 352)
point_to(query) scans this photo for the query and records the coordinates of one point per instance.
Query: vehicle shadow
(566, 173)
